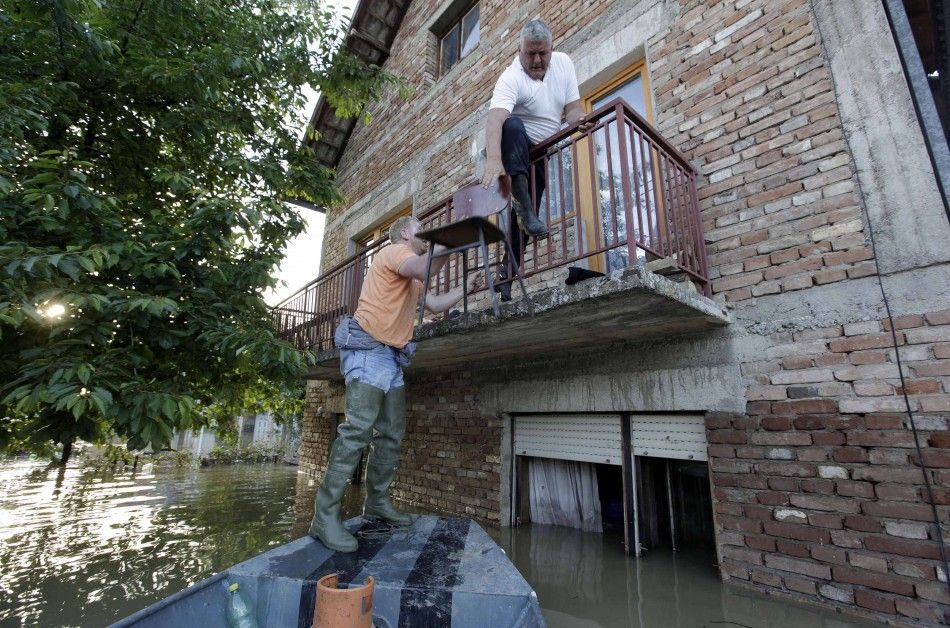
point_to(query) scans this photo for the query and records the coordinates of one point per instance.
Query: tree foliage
(145, 149)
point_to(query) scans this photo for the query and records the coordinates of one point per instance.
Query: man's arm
(574, 114)
(493, 166)
(438, 303)
(415, 266)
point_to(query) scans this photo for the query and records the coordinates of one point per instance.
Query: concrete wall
(797, 116)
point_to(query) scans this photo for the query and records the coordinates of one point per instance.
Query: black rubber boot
(384, 459)
(523, 208)
(363, 404)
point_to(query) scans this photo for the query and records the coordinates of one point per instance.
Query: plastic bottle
(239, 611)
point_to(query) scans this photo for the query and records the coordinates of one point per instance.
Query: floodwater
(85, 547)
(584, 580)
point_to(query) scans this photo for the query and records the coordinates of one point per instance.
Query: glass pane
(450, 49)
(631, 91)
(470, 29)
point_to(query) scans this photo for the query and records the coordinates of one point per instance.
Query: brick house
(767, 162)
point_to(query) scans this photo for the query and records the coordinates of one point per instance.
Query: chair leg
(488, 277)
(524, 292)
(425, 286)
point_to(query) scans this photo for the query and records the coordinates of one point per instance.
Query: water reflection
(82, 547)
(584, 579)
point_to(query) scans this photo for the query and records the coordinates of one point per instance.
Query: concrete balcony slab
(628, 305)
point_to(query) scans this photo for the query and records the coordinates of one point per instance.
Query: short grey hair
(536, 30)
(395, 230)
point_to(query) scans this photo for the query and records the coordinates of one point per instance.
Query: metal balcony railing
(614, 195)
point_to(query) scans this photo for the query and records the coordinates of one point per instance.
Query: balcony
(618, 200)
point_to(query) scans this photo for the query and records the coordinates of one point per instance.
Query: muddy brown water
(84, 547)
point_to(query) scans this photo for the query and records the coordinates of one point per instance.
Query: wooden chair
(473, 205)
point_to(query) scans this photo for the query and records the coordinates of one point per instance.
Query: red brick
(775, 423)
(742, 554)
(881, 438)
(733, 437)
(772, 498)
(827, 554)
(805, 406)
(933, 459)
(874, 601)
(827, 503)
(768, 578)
(938, 318)
(800, 585)
(920, 387)
(883, 421)
(828, 438)
(721, 451)
(898, 510)
(764, 543)
(867, 357)
(904, 322)
(791, 548)
(872, 580)
(797, 531)
(796, 362)
(850, 454)
(862, 524)
(854, 489)
(820, 486)
(803, 567)
(825, 520)
(794, 469)
(811, 422)
(859, 343)
(897, 492)
(903, 547)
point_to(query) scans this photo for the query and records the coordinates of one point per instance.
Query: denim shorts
(377, 367)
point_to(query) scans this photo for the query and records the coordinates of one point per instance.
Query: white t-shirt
(539, 104)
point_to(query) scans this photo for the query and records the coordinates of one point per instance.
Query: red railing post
(625, 183)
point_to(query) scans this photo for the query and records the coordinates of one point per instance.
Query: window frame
(456, 23)
(586, 210)
(380, 229)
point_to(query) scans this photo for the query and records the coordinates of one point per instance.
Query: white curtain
(564, 493)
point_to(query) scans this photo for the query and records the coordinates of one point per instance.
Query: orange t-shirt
(387, 306)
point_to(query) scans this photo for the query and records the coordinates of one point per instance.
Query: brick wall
(450, 461)
(324, 403)
(818, 489)
(746, 94)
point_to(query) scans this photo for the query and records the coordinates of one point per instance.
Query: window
(599, 209)
(382, 229)
(459, 37)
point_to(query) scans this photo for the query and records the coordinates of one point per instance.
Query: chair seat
(463, 232)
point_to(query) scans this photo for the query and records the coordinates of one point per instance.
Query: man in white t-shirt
(530, 99)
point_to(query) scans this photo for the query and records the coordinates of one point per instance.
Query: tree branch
(128, 31)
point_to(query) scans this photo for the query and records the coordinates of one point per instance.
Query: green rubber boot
(384, 459)
(363, 403)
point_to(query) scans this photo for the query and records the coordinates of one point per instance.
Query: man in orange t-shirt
(374, 347)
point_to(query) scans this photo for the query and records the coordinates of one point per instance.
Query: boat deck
(441, 571)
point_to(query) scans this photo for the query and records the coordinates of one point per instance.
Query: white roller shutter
(583, 437)
(678, 436)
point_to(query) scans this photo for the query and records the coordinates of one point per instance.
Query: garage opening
(644, 476)
(674, 504)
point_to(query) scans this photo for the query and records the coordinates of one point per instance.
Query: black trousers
(515, 148)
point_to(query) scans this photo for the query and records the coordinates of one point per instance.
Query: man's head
(534, 49)
(404, 231)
